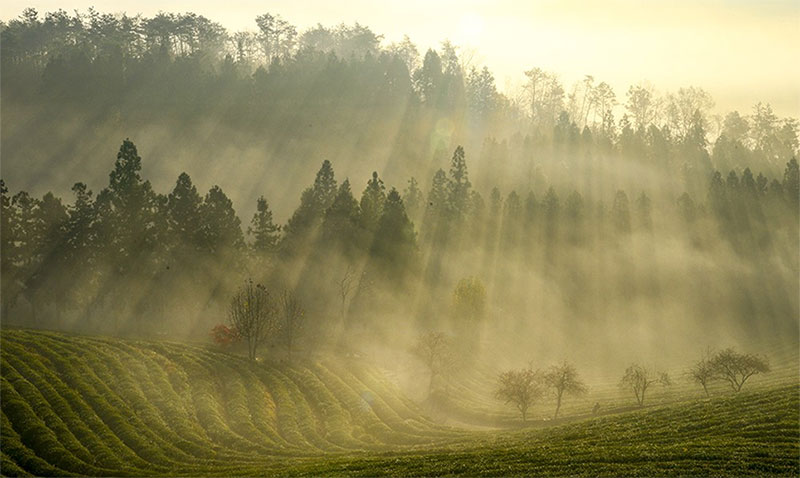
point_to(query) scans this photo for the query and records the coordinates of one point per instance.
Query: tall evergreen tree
(458, 186)
(265, 232)
(341, 224)
(372, 202)
(621, 213)
(128, 208)
(413, 199)
(324, 187)
(643, 212)
(314, 201)
(395, 241)
(222, 229)
(433, 222)
(183, 213)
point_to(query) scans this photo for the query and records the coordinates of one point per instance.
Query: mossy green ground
(100, 406)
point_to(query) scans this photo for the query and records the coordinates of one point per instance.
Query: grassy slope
(96, 406)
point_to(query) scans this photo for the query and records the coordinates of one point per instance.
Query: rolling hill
(74, 405)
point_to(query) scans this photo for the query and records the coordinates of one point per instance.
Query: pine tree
(372, 203)
(314, 201)
(395, 241)
(551, 208)
(458, 186)
(341, 224)
(265, 232)
(643, 212)
(412, 198)
(621, 213)
(81, 252)
(324, 188)
(222, 229)
(128, 208)
(183, 212)
(433, 222)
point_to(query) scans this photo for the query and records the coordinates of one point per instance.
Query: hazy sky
(742, 51)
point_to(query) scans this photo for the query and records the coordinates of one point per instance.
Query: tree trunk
(558, 405)
(705, 389)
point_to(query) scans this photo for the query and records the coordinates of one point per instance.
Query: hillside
(102, 406)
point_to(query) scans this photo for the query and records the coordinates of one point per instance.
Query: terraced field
(100, 406)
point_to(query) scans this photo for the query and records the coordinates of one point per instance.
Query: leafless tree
(735, 368)
(253, 314)
(346, 284)
(702, 372)
(293, 319)
(639, 379)
(563, 379)
(520, 388)
(433, 349)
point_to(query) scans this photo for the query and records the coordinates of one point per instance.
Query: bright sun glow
(470, 28)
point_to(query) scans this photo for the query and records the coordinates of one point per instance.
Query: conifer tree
(458, 186)
(183, 213)
(372, 203)
(222, 229)
(395, 241)
(265, 232)
(412, 198)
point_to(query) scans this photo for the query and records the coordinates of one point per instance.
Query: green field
(101, 406)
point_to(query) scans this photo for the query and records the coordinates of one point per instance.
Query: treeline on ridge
(132, 260)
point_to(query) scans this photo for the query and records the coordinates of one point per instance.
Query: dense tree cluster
(132, 252)
(564, 207)
(121, 74)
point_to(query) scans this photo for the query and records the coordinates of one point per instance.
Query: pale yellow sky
(742, 51)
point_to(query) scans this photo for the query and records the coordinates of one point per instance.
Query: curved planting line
(109, 451)
(209, 411)
(401, 432)
(43, 409)
(233, 394)
(407, 412)
(9, 467)
(122, 415)
(35, 435)
(260, 402)
(23, 456)
(367, 426)
(129, 445)
(49, 385)
(131, 388)
(336, 421)
(294, 425)
(171, 408)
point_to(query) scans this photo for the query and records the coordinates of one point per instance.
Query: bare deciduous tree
(433, 348)
(735, 368)
(252, 313)
(346, 284)
(702, 372)
(519, 387)
(563, 379)
(293, 318)
(639, 379)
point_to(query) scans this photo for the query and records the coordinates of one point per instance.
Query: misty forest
(314, 251)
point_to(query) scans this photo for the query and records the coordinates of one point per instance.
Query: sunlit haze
(400, 238)
(742, 51)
